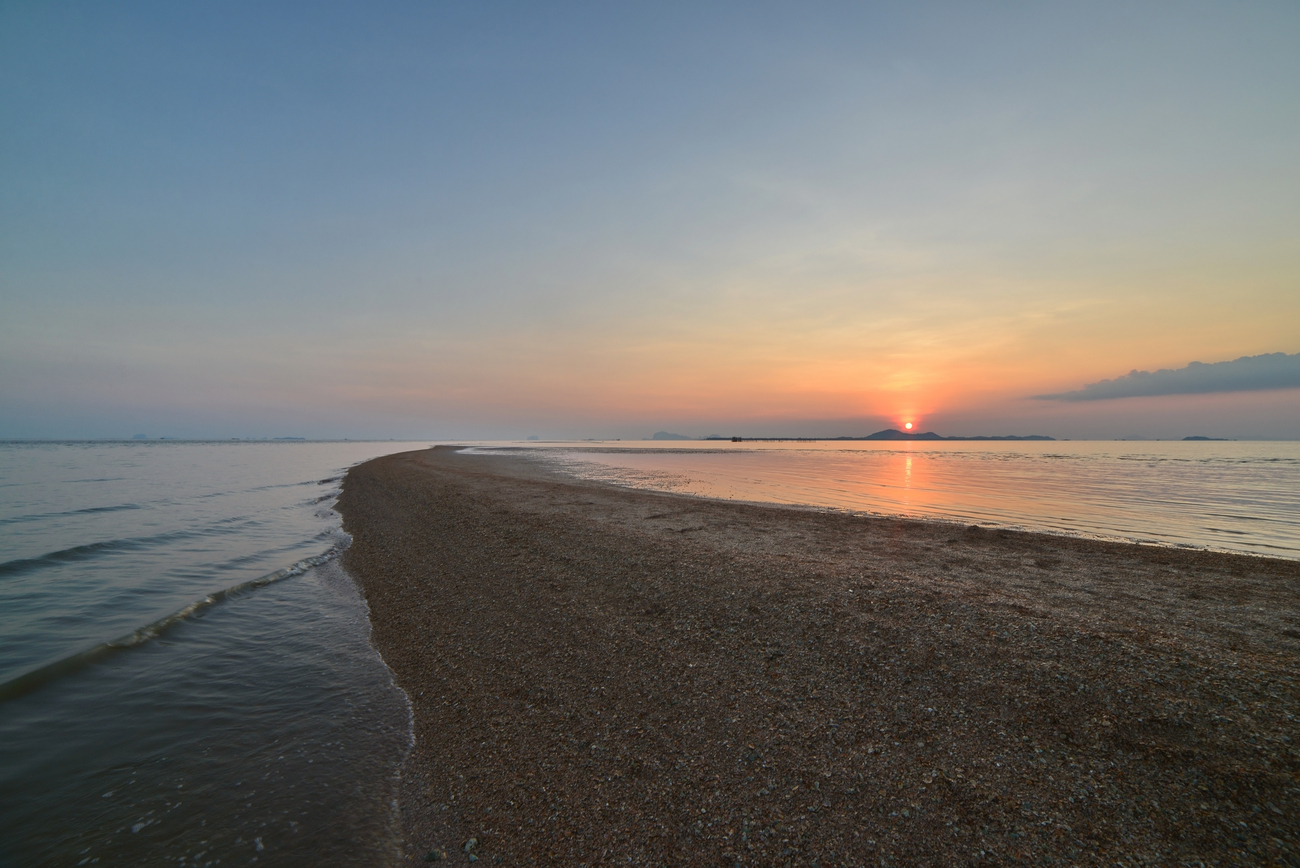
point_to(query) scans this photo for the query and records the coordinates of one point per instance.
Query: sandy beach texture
(602, 676)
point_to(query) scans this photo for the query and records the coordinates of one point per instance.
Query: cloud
(1246, 374)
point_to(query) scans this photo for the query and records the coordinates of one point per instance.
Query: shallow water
(260, 727)
(1231, 496)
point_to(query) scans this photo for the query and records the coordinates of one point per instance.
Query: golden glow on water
(907, 476)
(1234, 496)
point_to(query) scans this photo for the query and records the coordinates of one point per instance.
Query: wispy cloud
(1246, 374)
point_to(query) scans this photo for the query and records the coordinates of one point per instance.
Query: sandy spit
(602, 676)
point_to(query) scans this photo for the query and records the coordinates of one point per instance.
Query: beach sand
(605, 676)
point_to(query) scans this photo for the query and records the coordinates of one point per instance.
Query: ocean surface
(185, 671)
(1232, 496)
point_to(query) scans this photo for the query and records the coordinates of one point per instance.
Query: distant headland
(887, 434)
(895, 434)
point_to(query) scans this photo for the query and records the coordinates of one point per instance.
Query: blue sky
(602, 220)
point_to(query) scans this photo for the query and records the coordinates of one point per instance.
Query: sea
(186, 676)
(1233, 496)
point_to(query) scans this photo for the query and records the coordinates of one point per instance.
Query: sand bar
(604, 676)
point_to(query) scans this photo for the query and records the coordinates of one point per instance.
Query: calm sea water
(1233, 496)
(185, 671)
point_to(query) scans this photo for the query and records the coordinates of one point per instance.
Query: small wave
(1246, 517)
(93, 550)
(70, 555)
(37, 678)
(277, 485)
(90, 510)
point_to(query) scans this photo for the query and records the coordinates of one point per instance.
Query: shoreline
(989, 524)
(1233, 502)
(601, 674)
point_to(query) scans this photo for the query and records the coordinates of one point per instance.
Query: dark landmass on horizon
(895, 434)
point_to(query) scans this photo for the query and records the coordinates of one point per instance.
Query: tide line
(37, 678)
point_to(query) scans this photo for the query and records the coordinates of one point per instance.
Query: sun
(908, 426)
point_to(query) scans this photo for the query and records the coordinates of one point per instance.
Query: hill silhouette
(895, 434)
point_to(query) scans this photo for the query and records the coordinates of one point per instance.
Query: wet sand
(604, 676)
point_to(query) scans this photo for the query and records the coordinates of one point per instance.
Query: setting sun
(908, 426)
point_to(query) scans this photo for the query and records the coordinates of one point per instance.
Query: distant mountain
(1205, 438)
(668, 435)
(887, 434)
(895, 434)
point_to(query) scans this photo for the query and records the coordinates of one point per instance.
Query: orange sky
(422, 223)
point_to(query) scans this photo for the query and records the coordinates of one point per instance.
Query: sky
(495, 220)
